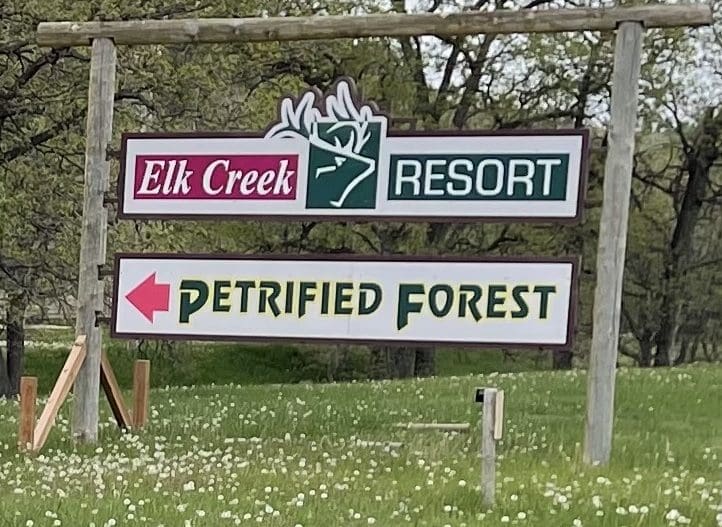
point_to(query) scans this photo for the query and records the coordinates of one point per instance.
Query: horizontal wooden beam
(215, 30)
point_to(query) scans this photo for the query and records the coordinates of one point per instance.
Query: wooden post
(612, 244)
(141, 390)
(488, 447)
(101, 93)
(28, 398)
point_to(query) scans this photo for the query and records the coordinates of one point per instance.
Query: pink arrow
(149, 297)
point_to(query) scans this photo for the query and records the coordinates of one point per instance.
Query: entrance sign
(485, 302)
(333, 157)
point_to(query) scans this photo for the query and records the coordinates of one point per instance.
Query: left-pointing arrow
(149, 297)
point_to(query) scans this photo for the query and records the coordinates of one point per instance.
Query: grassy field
(303, 454)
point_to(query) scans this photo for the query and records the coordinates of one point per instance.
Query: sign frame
(572, 308)
(355, 97)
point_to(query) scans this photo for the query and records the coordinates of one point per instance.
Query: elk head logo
(344, 145)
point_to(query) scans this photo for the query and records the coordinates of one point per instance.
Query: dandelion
(371, 520)
(672, 515)
(505, 519)
(521, 515)
(577, 522)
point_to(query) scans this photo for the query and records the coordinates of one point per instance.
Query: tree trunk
(404, 361)
(15, 338)
(379, 367)
(4, 379)
(425, 363)
(645, 353)
(699, 160)
(562, 359)
(682, 357)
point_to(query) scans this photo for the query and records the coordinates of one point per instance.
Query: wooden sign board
(484, 303)
(334, 158)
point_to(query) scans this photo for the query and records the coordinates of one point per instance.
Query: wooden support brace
(60, 392)
(28, 398)
(141, 390)
(112, 391)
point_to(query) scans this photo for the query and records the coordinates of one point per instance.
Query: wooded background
(672, 300)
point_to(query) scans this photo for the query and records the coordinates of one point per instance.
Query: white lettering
(248, 181)
(413, 178)
(525, 178)
(233, 176)
(150, 177)
(169, 177)
(455, 175)
(208, 174)
(282, 181)
(547, 181)
(265, 179)
(499, 175)
(181, 185)
(432, 176)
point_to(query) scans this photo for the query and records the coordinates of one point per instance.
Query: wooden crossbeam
(60, 392)
(215, 30)
(112, 391)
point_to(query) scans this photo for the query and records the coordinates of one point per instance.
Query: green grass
(193, 364)
(245, 454)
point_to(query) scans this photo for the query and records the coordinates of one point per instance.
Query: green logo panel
(343, 166)
(456, 177)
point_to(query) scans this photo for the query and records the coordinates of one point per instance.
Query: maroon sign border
(576, 219)
(572, 308)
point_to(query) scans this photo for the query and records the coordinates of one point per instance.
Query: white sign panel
(487, 302)
(334, 157)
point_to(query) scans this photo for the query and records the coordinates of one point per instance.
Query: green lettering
(493, 301)
(544, 291)
(342, 298)
(221, 293)
(475, 291)
(188, 306)
(406, 306)
(289, 297)
(244, 286)
(264, 297)
(523, 310)
(364, 307)
(306, 294)
(325, 294)
(433, 297)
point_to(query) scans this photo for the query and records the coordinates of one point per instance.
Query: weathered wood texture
(60, 34)
(114, 394)
(499, 415)
(101, 92)
(443, 427)
(612, 244)
(488, 448)
(141, 392)
(28, 399)
(60, 391)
